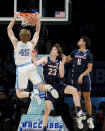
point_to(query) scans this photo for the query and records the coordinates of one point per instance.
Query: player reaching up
(25, 70)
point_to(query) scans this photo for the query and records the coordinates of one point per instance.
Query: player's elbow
(8, 28)
(61, 75)
(89, 70)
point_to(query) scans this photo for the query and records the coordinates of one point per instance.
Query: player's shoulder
(45, 60)
(75, 50)
(29, 43)
(19, 42)
(89, 53)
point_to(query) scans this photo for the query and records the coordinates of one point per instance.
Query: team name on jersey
(51, 66)
(83, 57)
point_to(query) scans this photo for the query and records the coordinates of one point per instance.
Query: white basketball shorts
(24, 73)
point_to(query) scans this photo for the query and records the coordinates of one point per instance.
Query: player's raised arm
(36, 34)
(10, 31)
(42, 61)
(61, 67)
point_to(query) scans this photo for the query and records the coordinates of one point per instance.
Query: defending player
(25, 70)
(82, 66)
(53, 71)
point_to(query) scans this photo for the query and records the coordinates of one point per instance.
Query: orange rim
(25, 13)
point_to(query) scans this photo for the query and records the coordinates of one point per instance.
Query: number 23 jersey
(51, 71)
(22, 54)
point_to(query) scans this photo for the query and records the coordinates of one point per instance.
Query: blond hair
(25, 35)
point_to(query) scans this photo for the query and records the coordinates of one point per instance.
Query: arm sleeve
(90, 58)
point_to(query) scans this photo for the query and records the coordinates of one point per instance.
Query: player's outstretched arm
(42, 61)
(68, 58)
(61, 67)
(10, 31)
(36, 34)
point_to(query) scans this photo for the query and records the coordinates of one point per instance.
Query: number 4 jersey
(22, 54)
(81, 60)
(51, 72)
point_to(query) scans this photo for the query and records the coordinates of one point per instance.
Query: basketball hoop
(29, 19)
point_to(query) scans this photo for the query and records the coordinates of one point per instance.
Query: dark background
(88, 18)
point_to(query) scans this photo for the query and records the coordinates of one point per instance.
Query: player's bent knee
(75, 90)
(18, 93)
(70, 90)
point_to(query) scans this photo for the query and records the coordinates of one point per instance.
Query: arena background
(85, 17)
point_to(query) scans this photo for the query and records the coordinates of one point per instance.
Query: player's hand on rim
(16, 14)
(37, 17)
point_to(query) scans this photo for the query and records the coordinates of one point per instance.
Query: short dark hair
(87, 40)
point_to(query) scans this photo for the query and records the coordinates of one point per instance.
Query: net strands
(28, 19)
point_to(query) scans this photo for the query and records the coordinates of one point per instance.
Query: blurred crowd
(11, 108)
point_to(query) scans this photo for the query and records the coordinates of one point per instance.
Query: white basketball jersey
(22, 54)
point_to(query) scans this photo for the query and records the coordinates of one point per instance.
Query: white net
(29, 19)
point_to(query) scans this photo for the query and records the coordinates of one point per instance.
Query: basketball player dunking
(24, 67)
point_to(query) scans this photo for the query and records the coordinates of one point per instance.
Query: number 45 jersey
(51, 72)
(22, 54)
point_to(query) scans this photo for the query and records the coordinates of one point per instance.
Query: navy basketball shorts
(60, 87)
(86, 83)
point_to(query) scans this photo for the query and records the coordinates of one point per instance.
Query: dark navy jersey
(81, 60)
(51, 71)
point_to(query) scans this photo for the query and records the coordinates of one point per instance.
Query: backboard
(51, 11)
